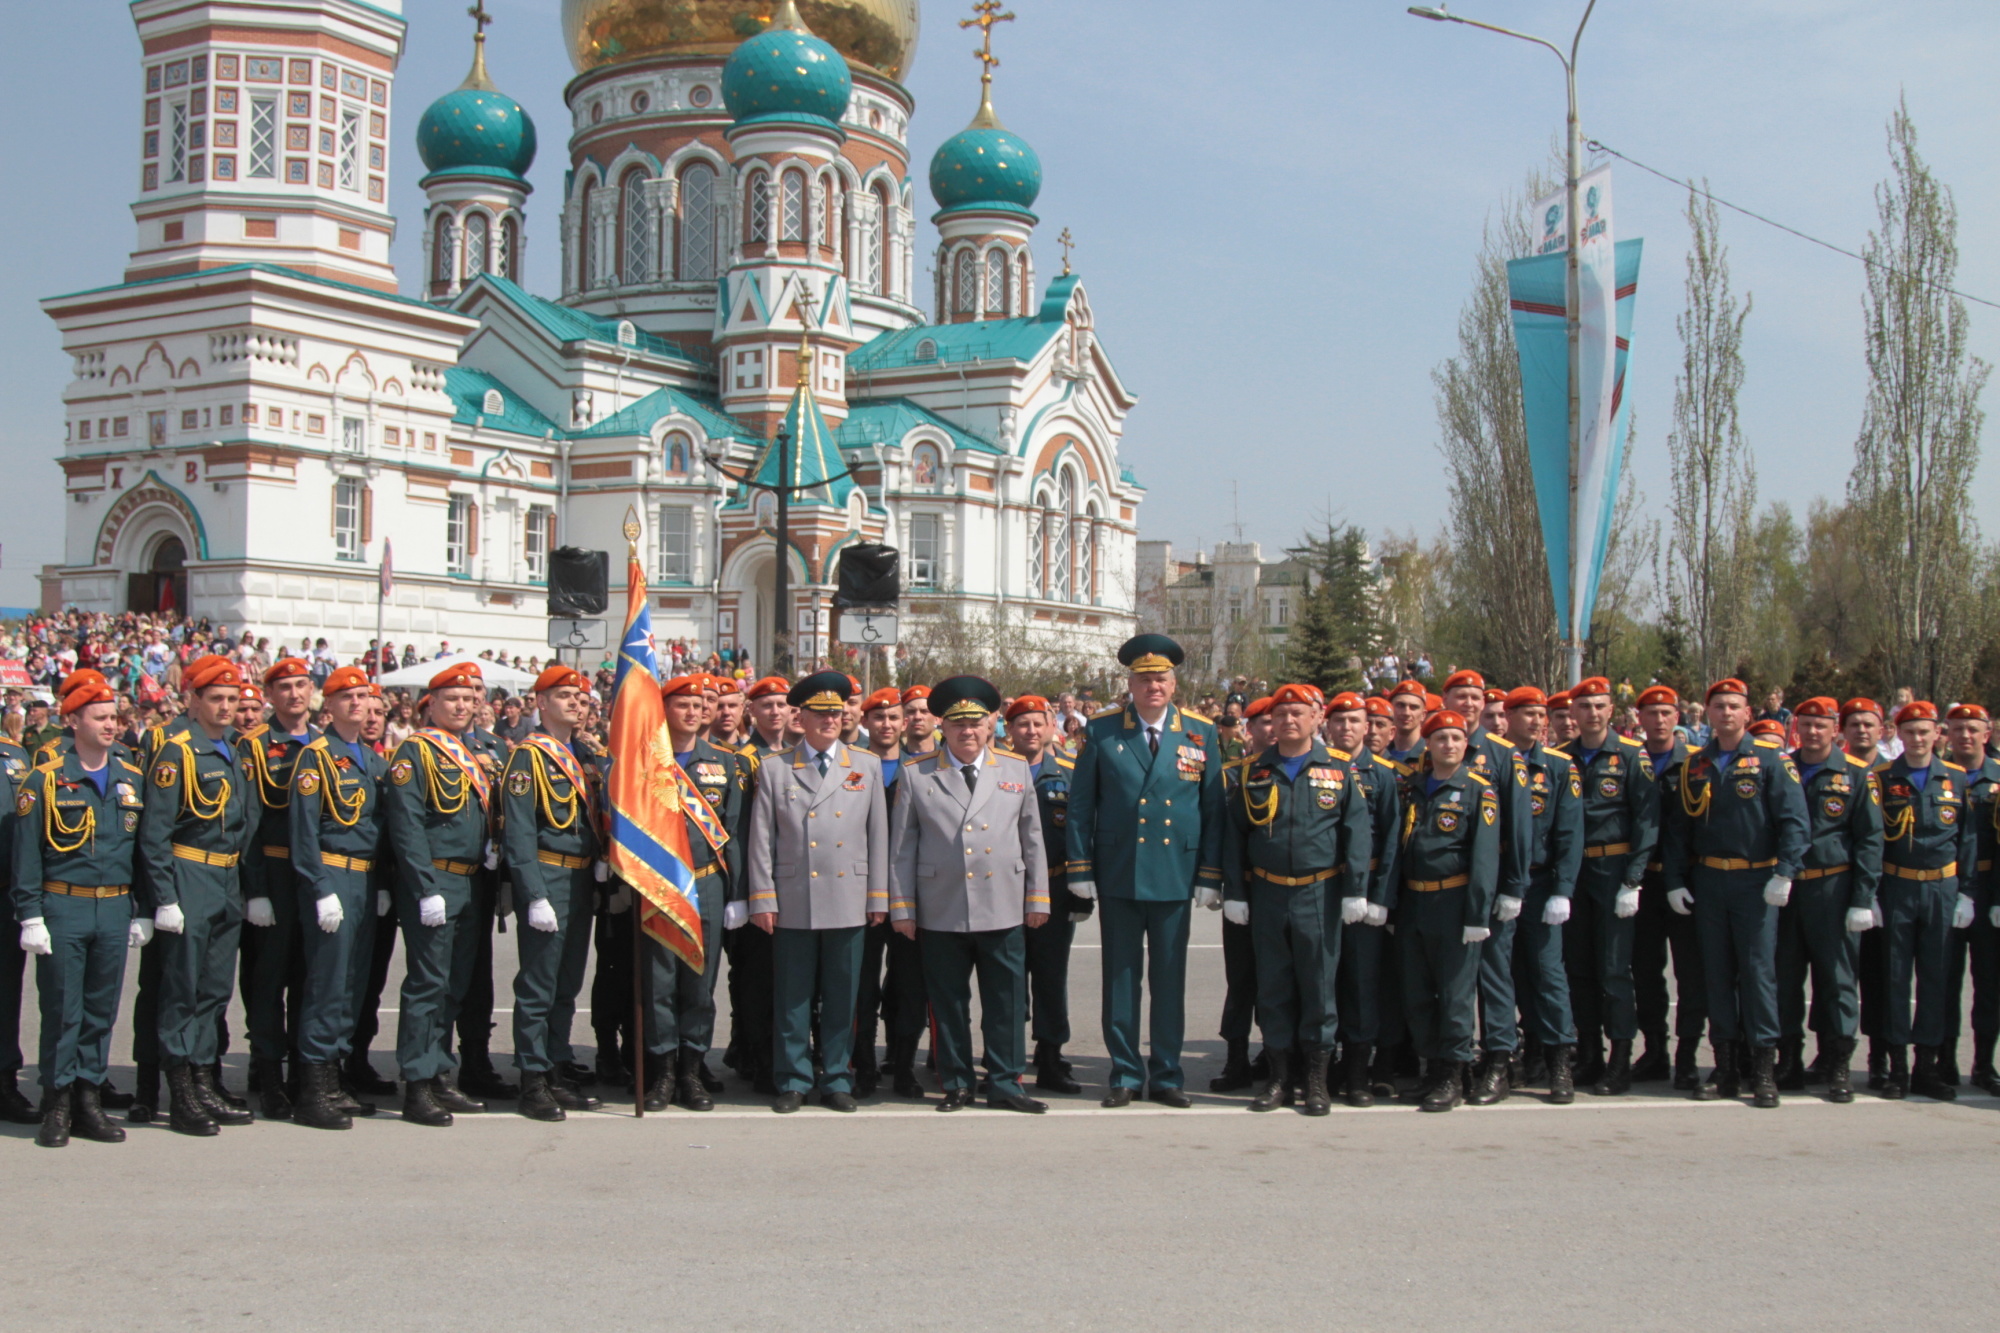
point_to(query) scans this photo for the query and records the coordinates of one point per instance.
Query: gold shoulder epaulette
(1199, 717)
(1953, 767)
(1342, 755)
(1112, 711)
(129, 764)
(1496, 736)
(256, 732)
(1476, 778)
(1768, 742)
(1063, 761)
(1629, 743)
(1560, 754)
(1855, 760)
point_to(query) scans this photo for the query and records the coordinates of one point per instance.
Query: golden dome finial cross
(988, 13)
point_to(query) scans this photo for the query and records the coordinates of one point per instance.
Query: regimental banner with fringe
(649, 838)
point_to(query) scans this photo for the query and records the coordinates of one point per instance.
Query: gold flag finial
(1068, 244)
(632, 528)
(478, 79)
(986, 14)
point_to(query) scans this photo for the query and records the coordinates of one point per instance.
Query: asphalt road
(1640, 1212)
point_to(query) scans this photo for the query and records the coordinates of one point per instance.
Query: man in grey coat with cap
(969, 873)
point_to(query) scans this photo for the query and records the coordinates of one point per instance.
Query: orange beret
(1818, 706)
(1917, 710)
(1467, 677)
(1967, 713)
(1347, 701)
(1377, 707)
(856, 681)
(1295, 694)
(1443, 718)
(769, 685)
(211, 670)
(80, 689)
(690, 685)
(82, 676)
(285, 668)
(1027, 703)
(1404, 687)
(1767, 726)
(1859, 705)
(726, 685)
(1495, 695)
(374, 689)
(1658, 694)
(556, 676)
(886, 697)
(345, 678)
(251, 692)
(1727, 685)
(1526, 696)
(1559, 701)
(916, 692)
(1257, 707)
(1432, 703)
(1590, 685)
(465, 674)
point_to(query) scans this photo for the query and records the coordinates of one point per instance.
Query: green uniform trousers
(1360, 984)
(1048, 977)
(1541, 979)
(680, 1002)
(552, 962)
(1739, 951)
(78, 981)
(198, 965)
(13, 975)
(1296, 933)
(809, 964)
(1916, 931)
(1813, 938)
(1001, 958)
(1138, 934)
(274, 965)
(437, 962)
(1597, 953)
(336, 966)
(1440, 973)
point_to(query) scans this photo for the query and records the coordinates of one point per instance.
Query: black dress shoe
(54, 1119)
(87, 1114)
(481, 1079)
(839, 1101)
(956, 1099)
(361, 1077)
(224, 1110)
(1173, 1097)
(1052, 1078)
(446, 1091)
(1116, 1098)
(787, 1102)
(16, 1109)
(537, 1101)
(112, 1099)
(1014, 1101)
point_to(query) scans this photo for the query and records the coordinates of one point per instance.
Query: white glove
(735, 916)
(1876, 913)
(381, 902)
(1209, 897)
(1475, 935)
(139, 934)
(1378, 915)
(1860, 919)
(330, 913)
(35, 937)
(1778, 891)
(541, 916)
(1353, 911)
(1556, 910)
(1681, 900)
(430, 910)
(170, 919)
(491, 860)
(1085, 890)
(621, 899)
(1077, 918)
(1236, 912)
(1626, 904)
(1963, 914)
(601, 872)
(1505, 908)
(258, 912)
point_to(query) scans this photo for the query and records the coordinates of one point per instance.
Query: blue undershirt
(1808, 771)
(1431, 785)
(101, 779)
(1919, 776)
(1292, 766)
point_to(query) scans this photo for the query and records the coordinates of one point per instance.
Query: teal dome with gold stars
(477, 130)
(987, 166)
(786, 73)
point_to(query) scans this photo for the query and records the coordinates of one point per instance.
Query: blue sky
(1276, 207)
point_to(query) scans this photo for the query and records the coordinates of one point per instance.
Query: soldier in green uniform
(1733, 838)
(1928, 839)
(274, 945)
(1660, 931)
(192, 834)
(1364, 975)
(477, 1074)
(337, 841)
(680, 1002)
(1832, 902)
(1970, 729)
(14, 1107)
(1297, 842)
(748, 949)
(1239, 953)
(1145, 836)
(1621, 824)
(1031, 737)
(1450, 867)
(38, 729)
(438, 800)
(74, 847)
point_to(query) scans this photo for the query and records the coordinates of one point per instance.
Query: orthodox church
(264, 411)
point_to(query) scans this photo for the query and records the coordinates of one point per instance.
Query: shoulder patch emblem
(308, 782)
(166, 775)
(400, 772)
(24, 803)
(517, 782)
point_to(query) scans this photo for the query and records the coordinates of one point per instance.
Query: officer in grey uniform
(969, 873)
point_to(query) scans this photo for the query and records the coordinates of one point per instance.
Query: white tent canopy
(418, 676)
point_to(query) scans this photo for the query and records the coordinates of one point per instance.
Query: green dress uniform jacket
(1621, 810)
(1843, 863)
(1494, 758)
(1844, 832)
(1381, 791)
(271, 954)
(1522, 967)
(681, 1012)
(1145, 826)
(1660, 932)
(1930, 843)
(1980, 945)
(1049, 944)
(339, 842)
(1450, 864)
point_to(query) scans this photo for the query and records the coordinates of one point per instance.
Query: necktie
(821, 760)
(971, 776)
(1153, 738)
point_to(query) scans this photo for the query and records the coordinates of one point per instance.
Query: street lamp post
(1572, 281)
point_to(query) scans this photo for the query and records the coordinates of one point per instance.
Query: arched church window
(1086, 557)
(760, 207)
(507, 258)
(996, 282)
(638, 206)
(967, 281)
(476, 252)
(697, 223)
(878, 244)
(1062, 535)
(794, 204)
(1038, 555)
(443, 261)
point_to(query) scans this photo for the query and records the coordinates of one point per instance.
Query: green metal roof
(888, 420)
(277, 270)
(982, 340)
(639, 417)
(815, 457)
(567, 325)
(468, 390)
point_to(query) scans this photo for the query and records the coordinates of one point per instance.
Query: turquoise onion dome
(477, 130)
(786, 73)
(986, 165)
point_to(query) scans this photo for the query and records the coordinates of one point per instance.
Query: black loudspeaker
(870, 575)
(579, 583)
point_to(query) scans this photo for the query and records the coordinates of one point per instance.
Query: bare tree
(1919, 440)
(1714, 497)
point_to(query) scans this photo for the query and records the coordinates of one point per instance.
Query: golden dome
(879, 33)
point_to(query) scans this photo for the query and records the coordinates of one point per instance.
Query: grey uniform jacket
(967, 860)
(817, 851)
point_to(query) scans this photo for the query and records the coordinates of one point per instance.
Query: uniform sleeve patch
(166, 775)
(517, 782)
(308, 782)
(400, 772)
(24, 803)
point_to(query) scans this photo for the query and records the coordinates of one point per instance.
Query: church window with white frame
(638, 258)
(996, 282)
(697, 232)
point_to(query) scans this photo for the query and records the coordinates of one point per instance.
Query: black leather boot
(537, 1102)
(867, 1073)
(1382, 1072)
(223, 1110)
(1589, 1059)
(1878, 1065)
(1617, 1080)
(1815, 1070)
(446, 1090)
(343, 1095)
(1562, 1075)
(1947, 1062)
(188, 1113)
(1896, 1074)
(1235, 1075)
(661, 1084)
(1277, 1089)
(1839, 1082)
(1654, 1064)
(1052, 1071)
(1982, 1063)
(478, 1077)
(1764, 1077)
(87, 1114)
(906, 1083)
(1354, 1086)
(360, 1074)
(1447, 1089)
(1723, 1083)
(1318, 1101)
(1927, 1080)
(54, 1132)
(272, 1102)
(14, 1108)
(1532, 1067)
(1687, 1065)
(1791, 1075)
(689, 1092)
(316, 1109)
(420, 1103)
(146, 1102)
(1490, 1084)
(111, 1099)
(569, 1096)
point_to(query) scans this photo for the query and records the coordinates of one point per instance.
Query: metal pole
(1573, 284)
(641, 983)
(781, 653)
(375, 658)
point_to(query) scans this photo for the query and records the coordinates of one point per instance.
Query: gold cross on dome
(989, 13)
(480, 17)
(1068, 244)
